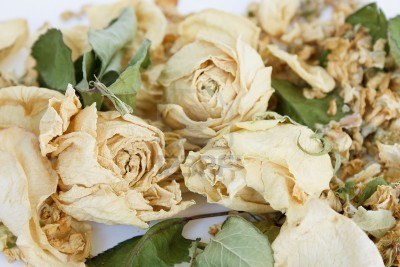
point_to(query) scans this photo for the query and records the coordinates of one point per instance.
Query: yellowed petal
(276, 15)
(374, 222)
(28, 181)
(213, 23)
(324, 238)
(14, 34)
(76, 39)
(56, 119)
(316, 76)
(24, 106)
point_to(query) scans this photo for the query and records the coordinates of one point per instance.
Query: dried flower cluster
(286, 113)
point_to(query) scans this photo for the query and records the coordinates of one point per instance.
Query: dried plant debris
(288, 116)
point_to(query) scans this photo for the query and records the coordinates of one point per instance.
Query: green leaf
(372, 18)
(268, 229)
(239, 243)
(89, 65)
(162, 245)
(116, 256)
(53, 61)
(309, 112)
(370, 188)
(129, 82)
(107, 42)
(394, 38)
(113, 69)
(347, 192)
(324, 57)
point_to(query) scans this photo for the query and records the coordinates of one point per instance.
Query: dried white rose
(316, 76)
(216, 23)
(27, 181)
(210, 84)
(324, 238)
(114, 169)
(152, 23)
(24, 106)
(257, 164)
(276, 15)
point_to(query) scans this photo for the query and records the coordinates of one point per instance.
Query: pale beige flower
(114, 169)
(258, 164)
(24, 106)
(276, 15)
(316, 76)
(28, 181)
(324, 237)
(210, 84)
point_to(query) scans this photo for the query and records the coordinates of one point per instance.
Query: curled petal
(276, 15)
(316, 76)
(213, 22)
(24, 106)
(324, 238)
(29, 181)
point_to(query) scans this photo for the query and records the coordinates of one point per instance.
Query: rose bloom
(260, 165)
(214, 80)
(45, 236)
(114, 169)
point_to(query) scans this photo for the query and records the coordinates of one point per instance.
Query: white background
(39, 11)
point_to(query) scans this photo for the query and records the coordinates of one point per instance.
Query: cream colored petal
(389, 154)
(280, 146)
(176, 118)
(14, 35)
(324, 238)
(28, 181)
(57, 118)
(276, 15)
(77, 161)
(316, 76)
(260, 163)
(24, 106)
(151, 21)
(218, 23)
(188, 59)
(101, 15)
(76, 39)
(101, 204)
(375, 222)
